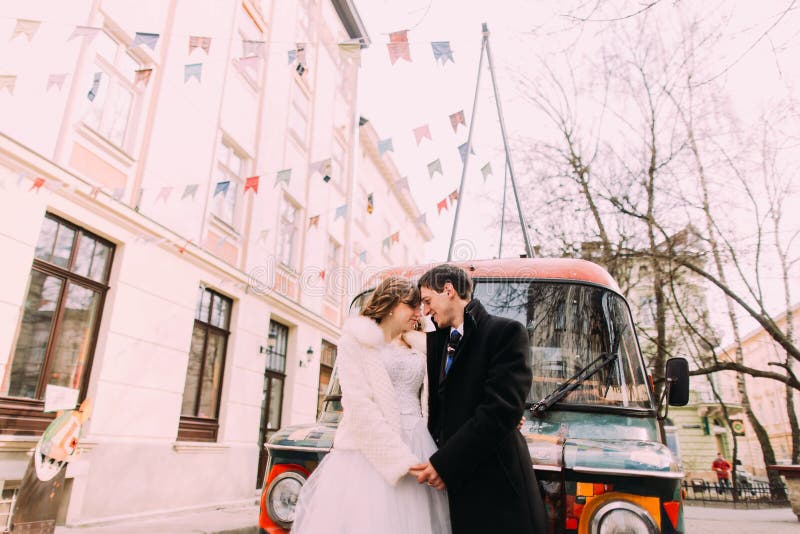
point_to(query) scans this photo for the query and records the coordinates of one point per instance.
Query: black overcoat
(473, 415)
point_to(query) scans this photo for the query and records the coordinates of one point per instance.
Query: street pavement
(712, 520)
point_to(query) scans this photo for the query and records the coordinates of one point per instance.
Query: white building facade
(181, 242)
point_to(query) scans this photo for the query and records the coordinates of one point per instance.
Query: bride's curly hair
(390, 292)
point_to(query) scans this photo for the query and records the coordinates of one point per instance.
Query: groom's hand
(428, 474)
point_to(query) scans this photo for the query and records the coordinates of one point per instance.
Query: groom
(478, 382)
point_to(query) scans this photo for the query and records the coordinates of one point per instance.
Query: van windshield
(571, 326)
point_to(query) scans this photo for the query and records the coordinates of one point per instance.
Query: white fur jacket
(371, 415)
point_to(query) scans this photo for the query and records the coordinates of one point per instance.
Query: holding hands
(426, 473)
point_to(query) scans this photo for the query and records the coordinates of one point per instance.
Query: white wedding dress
(346, 495)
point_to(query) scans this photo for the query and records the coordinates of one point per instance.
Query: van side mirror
(677, 379)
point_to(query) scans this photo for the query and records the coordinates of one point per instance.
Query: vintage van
(593, 426)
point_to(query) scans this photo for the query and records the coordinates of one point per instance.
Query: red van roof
(527, 268)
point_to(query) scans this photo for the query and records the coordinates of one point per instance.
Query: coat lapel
(473, 314)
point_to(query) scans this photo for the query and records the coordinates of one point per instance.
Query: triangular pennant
(399, 36)
(164, 194)
(385, 145)
(387, 242)
(313, 221)
(55, 80)
(283, 176)
(26, 27)
(251, 183)
(401, 183)
(193, 70)
(453, 197)
(350, 51)
(252, 48)
(300, 56)
(199, 42)
(95, 86)
(462, 150)
(456, 119)
(147, 39)
(486, 171)
(190, 191)
(250, 63)
(362, 256)
(422, 132)
(434, 167)
(441, 205)
(222, 187)
(292, 56)
(37, 184)
(7, 81)
(395, 237)
(341, 211)
(322, 275)
(324, 167)
(398, 51)
(441, 50)
(370, 203)
(142, 76)
(84, 31)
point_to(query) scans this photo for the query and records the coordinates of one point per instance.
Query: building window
(231, 167)
(64, 302)
(288, 231)
(327, 360)
(201, 394)
(332, 264)
(339, 164)
(299, 112)
(110, 107)
(252, 37)
(272, 394)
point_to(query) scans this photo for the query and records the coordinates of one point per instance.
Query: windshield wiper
(572, 383)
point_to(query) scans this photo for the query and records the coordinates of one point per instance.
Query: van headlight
(622, 517)
(282, 497)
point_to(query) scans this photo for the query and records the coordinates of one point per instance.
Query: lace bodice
(406, 368)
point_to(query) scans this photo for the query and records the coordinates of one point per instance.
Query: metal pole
(484, 45)
(528, 248)
(503, 212)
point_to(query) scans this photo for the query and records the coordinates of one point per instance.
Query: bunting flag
(324, 167)
(453, 196)
(401, 183)
(182, 248)
(486, 171)
(283, 176)
(190, 191)
(164, 194)
(441, 205)
(262, 236)
(434, 167)
(399, 36)
(192, 71)
(398, 51)
(142, 76)
(456, 119)
(95, 86)
(55, 80)
(147, 39)
(362, 256)
(7, 82)
(385, 145)
(292, 55)
(252, 48)
(422, 219)
(251, 183)
(387, 242)
(199, 42)
(313, 221)
(462, 149)
(250, 62)
(350, 51)
(395, 237)
(300, 57)
(370, 203)
(25, 27)
(441, 50)
(222, 187)
(37, 184)
(341, 211)
(422, 132)
(117, 193)
(84, 31)
(322, 275)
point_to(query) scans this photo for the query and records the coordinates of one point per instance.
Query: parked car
(594, 428)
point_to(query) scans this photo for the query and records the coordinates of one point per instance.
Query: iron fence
(748, 494)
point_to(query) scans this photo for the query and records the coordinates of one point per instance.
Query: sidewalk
(243, 520)
(712, 520)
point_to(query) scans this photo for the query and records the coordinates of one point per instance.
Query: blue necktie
(452, 344)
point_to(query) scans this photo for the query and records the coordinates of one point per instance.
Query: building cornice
(352, 22)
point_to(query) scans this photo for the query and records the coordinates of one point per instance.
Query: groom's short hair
(437, 277)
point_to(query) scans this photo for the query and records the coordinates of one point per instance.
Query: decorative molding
(198, 447)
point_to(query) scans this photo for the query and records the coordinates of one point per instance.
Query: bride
(365, 484)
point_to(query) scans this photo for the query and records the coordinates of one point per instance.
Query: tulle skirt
(346, 495)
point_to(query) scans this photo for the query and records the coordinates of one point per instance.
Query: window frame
(328, 366)
(224, 170)
(193, 427)
(26, 416)
(288, 202)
